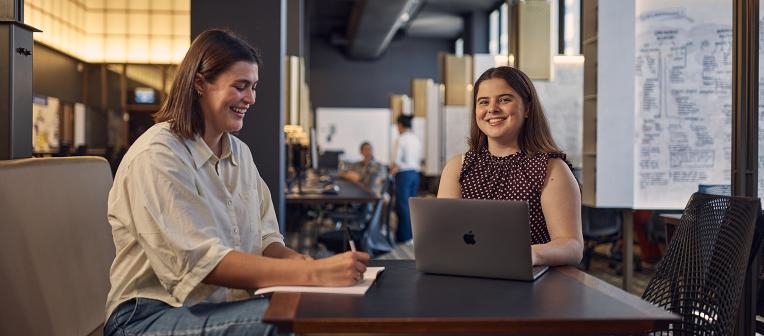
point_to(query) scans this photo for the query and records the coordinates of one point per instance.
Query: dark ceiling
(432, 18)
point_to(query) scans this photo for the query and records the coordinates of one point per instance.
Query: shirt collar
(228, 150)
(202, 153)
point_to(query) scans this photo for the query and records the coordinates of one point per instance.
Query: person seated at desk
(512, 156)
(367, 172)
(193, 222)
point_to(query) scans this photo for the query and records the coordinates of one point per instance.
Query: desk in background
(349, 193)
(671, 221)
(565, 300)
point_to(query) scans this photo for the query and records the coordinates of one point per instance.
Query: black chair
(63, 150)
(371, 236)
(702, 274)
(377, 238)
(81, 150)
(599, 226)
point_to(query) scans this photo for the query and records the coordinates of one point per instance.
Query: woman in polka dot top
(512, 156)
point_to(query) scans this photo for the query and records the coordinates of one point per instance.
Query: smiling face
(499, 111)
(225, 100)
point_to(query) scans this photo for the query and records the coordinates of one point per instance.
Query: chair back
(374, 241)
(55, 245)
(702, 274)
(600, 222)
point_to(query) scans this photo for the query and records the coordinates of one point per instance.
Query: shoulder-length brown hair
(534, 136)
(211, 53)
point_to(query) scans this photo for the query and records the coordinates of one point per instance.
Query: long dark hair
(534, 136)
(211, 53)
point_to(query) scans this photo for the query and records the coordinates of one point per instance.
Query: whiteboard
(563, 102)
(683, 99)
(481, 63)
(345, 129)
(457, 130)
(615, 104)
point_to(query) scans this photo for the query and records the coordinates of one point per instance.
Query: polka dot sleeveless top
(517, 177)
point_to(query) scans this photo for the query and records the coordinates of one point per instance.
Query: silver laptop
(482, 238)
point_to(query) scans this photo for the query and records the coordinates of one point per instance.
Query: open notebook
(358, 289)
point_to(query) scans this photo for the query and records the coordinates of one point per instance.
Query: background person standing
(407, 158)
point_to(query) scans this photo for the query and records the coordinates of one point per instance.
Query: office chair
(702, 274)
(63, 150)
(81, 150)
(599, 226)
(368, 236)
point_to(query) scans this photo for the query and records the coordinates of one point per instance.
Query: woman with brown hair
(512, 156)
(193, 222)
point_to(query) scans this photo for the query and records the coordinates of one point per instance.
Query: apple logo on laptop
(469, 238)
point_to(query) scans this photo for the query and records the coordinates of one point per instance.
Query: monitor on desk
(144, 95)
(329, 160)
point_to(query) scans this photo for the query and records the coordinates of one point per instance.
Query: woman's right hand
(340, 270)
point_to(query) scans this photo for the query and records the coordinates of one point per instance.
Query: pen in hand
(349, 237)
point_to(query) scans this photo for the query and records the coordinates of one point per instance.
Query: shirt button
(229, 202)
(235, 229)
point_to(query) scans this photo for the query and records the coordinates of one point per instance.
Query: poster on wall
(45, 124)
(457, 120)
(683, 99)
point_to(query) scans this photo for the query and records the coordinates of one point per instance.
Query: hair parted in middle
(211, 53)
(534, 136)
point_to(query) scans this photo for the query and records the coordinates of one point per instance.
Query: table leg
(314, 231)
(310, 232)
(628, 248)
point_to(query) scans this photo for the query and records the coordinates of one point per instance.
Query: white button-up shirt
(176, 210)
(407, 152)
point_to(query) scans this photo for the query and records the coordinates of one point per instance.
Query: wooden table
(565, 300)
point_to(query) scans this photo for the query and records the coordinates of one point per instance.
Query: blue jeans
(152, 317)
(406, 185)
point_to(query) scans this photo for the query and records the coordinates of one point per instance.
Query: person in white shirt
(193, 222)
(407, 158)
